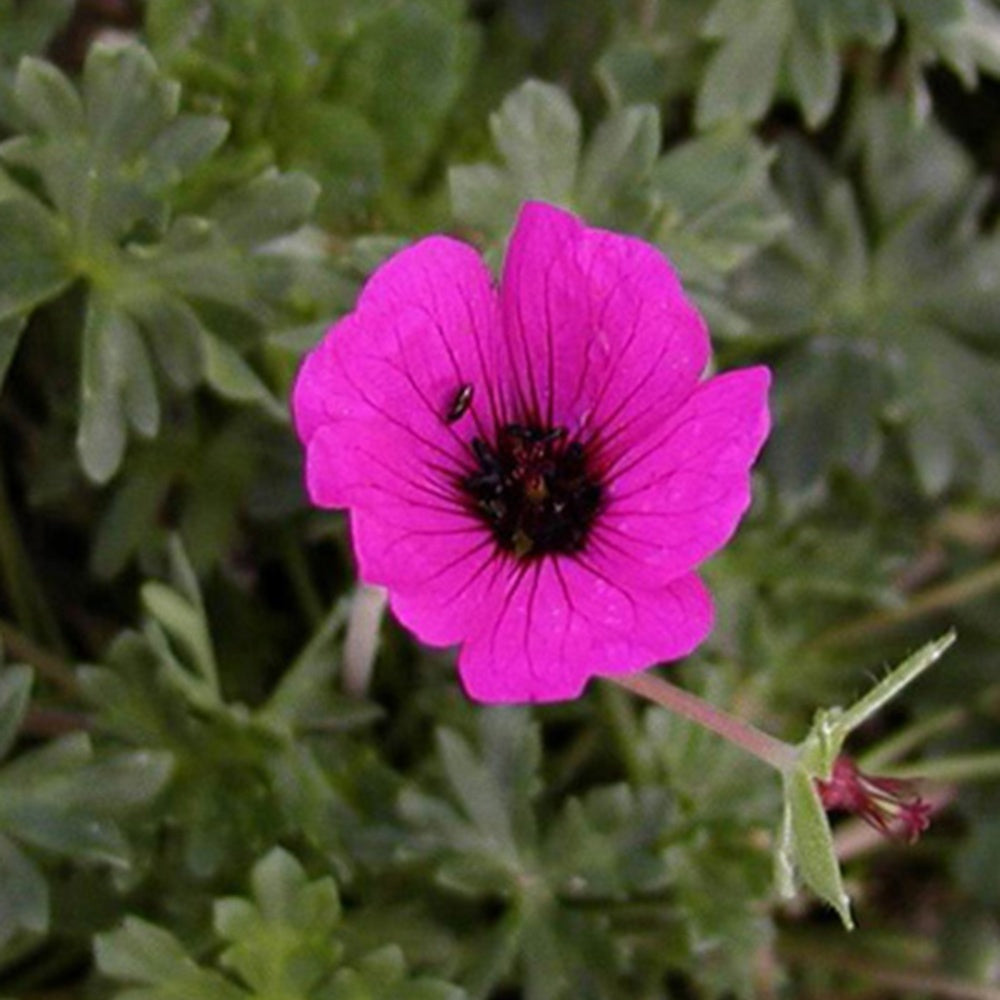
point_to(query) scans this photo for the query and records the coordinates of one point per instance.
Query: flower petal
(355, 462)
(596, 326)
(425, 328)
(440, 572)
(556, 623)
(447, 606)
(675, 496)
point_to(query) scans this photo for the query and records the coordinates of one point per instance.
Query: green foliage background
(203, 794)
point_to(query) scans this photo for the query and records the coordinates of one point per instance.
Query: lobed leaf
(891, 316)
(34, 257)
(767, 48)
(24, 895)
(707, 202)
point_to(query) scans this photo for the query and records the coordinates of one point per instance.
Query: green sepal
(806, 845)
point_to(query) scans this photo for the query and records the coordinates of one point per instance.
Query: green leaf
(814, 68)
(182, 145)
(230, 376)
(63, 799)
(609, 844)
(141, 953)
(15, 694)
(336, 142)
(897, 306)
(479, 792)
(537, 132)
(832, 391)
(618, 161)
(707, 202)
(711, 780)
(25, 30)
(975, 865)
(34, 257)
(742, 75)
(952, 438)
(117, 385)
(186, 625)
(47, 99)
(204, 478)
(194, 262)
(430, 51)
(714, 204)
(723, 890)
(127, 102)
(908, 167)
(24, 894)
(281, 942)
(311, 671)
(110, 162)
(964, 34)
(632, 72)
(971, 42)
(175, 334)
(381, 975)
(149, 697)
(483, 847)
(768, 46)
(269, 206)
(483, 196)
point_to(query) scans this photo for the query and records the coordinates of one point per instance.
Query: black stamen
(534, 490)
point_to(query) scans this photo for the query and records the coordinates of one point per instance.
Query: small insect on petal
(460, 403)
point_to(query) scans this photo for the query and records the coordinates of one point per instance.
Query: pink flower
(533, 470)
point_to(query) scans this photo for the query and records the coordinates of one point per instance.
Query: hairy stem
(774, 752)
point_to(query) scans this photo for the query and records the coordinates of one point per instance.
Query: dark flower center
(534, 490)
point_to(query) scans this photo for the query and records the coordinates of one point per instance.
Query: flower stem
(774, 752)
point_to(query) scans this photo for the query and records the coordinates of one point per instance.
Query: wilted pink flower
(889, 805)
(533, 470)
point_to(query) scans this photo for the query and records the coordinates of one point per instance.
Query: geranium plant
(480, 482)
